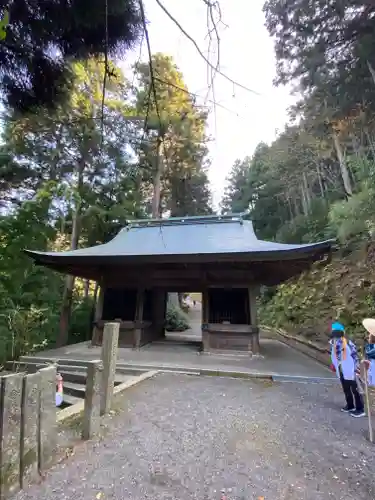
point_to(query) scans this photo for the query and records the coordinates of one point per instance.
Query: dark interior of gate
(227, 322)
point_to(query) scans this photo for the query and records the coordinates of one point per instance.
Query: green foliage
(80, 327)
(316, 180)
(73, 177)
(176, 319)
(308, 228)
(4, 24)
(27, 294)
(354, 218)
(330, 64)
(184, 183)
(30, 76)
(342, 290)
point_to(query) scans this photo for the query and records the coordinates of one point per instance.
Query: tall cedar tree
(43, 37)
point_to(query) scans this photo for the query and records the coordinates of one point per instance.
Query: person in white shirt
(368, 364)
(345, 362)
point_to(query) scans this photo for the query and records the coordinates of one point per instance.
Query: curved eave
(77, 261)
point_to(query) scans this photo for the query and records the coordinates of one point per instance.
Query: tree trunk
(157, 183)
(296, 206)
(180, 299)
(369, 142)
(290, 208)
(305, 207)
(67, 299)
(173, 299)
(306, 191)
(92, 315)
(372, 71)
(318, 173)
(343, 167)
(86, 289)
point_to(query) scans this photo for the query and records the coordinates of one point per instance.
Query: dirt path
(184, 438)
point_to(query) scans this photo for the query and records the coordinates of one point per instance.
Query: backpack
(370, 351)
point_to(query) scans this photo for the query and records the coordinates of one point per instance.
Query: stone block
(91, 412)
(10, 436)
(29, 429)
(109, 359)
(47, 417)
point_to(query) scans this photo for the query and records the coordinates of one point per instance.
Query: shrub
(81, 320)
(176, 320)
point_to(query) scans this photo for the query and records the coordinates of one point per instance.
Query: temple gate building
(219, 256)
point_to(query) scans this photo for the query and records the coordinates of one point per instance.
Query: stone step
(227, 354)
(120, 378)
(141, 368)
(75, 377)
(76, 390)
(71, 400)
(49, 360)
(304, 379)
(126, 369)
(75, 364)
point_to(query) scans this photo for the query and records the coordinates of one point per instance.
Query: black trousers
(352, 396)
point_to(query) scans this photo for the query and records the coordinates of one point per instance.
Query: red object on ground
(332, 368)
(59, 383)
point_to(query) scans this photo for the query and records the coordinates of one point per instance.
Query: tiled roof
(190, 236)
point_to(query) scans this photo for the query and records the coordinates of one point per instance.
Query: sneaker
(358, 413)
(346, 409)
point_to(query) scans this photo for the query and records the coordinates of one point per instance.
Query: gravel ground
(183, 437)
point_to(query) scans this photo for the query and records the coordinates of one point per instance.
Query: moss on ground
(343, 290)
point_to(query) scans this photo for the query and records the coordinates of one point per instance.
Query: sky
(246, 56)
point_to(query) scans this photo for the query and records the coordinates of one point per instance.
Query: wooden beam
(182, 285)
(265, 272)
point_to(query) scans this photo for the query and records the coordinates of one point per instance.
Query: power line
(211, 30)
(171, 84)
(152, 78)
(139, 59)
(234, 82)
(105, 67)
(160, 137)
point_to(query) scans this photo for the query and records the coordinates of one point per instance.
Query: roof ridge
(188, 220)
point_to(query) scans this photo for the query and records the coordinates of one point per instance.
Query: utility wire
(171, 84)
(105, 68)
(139, 59)
(152, 87)
(211, 30)
(234, 82)
(152, 82)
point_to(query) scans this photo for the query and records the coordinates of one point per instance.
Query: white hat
(369, 324)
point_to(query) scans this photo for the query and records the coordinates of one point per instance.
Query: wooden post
(98, 316)
(10, 410)
(29, 429)
(158, 312)
(91, 412)
(205, 319)
(139, 317)
(109, 359)
(252, 292)
(47, 417)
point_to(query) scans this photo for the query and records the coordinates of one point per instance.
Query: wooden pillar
(138, 317)
(205, 319)
(158, 313)
(98, 316)
(253, 292)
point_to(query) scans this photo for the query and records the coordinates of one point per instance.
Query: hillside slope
(343, 289)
